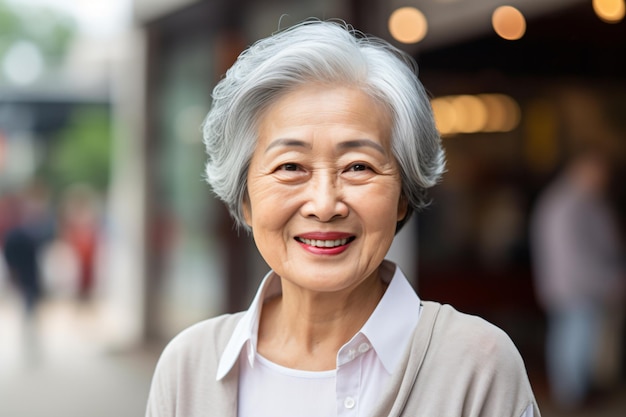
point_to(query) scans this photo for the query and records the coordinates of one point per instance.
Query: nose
(324, 198)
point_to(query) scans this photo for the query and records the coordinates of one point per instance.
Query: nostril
(325, 208)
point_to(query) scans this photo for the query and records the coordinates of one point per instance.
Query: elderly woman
(321, 141)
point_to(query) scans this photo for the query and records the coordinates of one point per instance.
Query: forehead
(322, 106)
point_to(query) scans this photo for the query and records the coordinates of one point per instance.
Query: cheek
(382, 200)
(269, 206)
(380, 210)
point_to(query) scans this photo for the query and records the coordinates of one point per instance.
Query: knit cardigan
(457, 365)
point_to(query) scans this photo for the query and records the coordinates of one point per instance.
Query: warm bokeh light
(471, 113)
(510, 110)
(610, 11)
(509, 23)
(476, 113)
(496, 110)
(408, 25)
(445, 116)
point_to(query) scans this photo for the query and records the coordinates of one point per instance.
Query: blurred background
(113, 243)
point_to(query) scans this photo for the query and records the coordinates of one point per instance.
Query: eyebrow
(355, 143)
(288, 143)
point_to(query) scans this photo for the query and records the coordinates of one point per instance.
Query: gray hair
(328, 52)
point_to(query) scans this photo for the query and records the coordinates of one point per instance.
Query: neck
(305, 330)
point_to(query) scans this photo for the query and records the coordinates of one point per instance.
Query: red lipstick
(325, 243)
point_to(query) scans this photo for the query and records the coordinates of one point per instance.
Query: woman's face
(324, 191)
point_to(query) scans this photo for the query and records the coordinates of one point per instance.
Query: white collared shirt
(364, 364)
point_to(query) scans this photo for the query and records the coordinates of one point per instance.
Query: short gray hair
(328, 52)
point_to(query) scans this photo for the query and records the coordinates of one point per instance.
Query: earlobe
(247, 210)
(403, 208)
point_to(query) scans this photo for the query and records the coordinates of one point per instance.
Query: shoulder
(206, 338)
(474, 340)
(474, 362)
(213, 329)
(199, 346)
(184, 378)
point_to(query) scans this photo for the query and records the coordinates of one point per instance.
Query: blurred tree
(82, 151)
(50, 30)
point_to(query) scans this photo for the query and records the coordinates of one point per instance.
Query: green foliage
(9, 22)
(50, 30)
(81, 152)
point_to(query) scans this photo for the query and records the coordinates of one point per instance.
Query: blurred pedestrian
(579, 272)
(23, 240)
(79, 227)
(20, 251)
(21, 247)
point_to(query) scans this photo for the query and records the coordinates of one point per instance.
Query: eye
(290, 172)
(288, 167)
(358, 172)
(358, 167)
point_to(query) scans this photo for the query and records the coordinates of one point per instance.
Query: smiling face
(324, 190)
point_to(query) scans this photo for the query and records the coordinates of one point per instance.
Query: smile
(324, 243)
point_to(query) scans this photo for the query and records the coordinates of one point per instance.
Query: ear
(403, 207)
(247, 210)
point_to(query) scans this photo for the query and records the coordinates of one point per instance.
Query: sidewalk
(64, 369)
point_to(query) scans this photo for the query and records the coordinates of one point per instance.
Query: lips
(325, 240)
(323, 243)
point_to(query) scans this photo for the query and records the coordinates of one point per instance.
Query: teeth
(324, 243)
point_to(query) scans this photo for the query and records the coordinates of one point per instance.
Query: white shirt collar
(388, 329)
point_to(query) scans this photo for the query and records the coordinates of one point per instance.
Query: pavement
(62, 367)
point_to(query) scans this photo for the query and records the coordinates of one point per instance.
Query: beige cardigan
(457, 365)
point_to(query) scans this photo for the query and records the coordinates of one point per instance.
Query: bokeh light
(471, 113)
(508, 23)
(445, 115)
(408, 25)
(23, 63)
(476, 113)
(610, 11)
